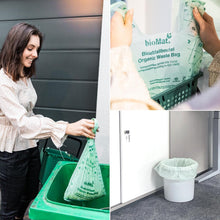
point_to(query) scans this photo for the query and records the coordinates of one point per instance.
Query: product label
(167, 59)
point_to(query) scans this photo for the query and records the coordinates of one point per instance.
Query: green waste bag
(165, 60)
(86, 182)
(177, 168)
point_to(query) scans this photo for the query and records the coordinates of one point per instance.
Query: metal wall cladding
(23, 9)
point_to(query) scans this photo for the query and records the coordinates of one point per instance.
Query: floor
(204, 206)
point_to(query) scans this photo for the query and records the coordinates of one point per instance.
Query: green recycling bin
(49, 203)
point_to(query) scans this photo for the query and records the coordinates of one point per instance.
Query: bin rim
(177, 172)
(193, 163)
(49, 182)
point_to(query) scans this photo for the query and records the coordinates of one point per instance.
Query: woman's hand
(208, 35)
(82, 127)
(121, 29)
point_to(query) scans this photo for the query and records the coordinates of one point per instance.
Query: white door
(115, 170)
(144, 142)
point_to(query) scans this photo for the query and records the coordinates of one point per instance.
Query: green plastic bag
(177, 168)
(165, 60)
(86, 182)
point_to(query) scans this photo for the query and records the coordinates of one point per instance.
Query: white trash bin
(179, 190)
(179, 178)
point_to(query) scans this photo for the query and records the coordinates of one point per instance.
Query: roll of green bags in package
(86, 182)
(165, 60)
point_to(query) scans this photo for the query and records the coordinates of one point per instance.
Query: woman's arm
(208, 35)
(38, 127)
(121, 29)
(128, 90)
(82, 127)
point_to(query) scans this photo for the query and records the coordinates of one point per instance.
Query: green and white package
(86, 182)
(165, 60)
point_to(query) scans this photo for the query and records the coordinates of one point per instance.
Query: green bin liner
(177, 168)
(49, 203)
(86, 182)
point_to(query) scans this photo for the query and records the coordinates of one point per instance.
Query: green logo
(169, 35)
(158, 41)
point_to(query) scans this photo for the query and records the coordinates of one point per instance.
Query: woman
(19, 127)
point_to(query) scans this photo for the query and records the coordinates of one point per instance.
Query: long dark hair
(13, 48)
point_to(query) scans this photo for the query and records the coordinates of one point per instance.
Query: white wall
(103, 96)
(152, 16)
(115, 159)
(213, 9)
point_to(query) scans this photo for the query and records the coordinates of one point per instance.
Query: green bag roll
(86, 182)
(165, 60)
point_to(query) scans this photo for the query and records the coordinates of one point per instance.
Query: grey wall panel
(24, 9)
(77, 65)
(67, 33)
(65, 115)
(66, 94)
(189, 136)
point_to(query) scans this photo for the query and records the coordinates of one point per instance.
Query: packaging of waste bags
(177, 168)
(86, 182)
(165, 60)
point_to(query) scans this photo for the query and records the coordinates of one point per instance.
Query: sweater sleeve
(128, 90)
(30, 127)
(214, 69)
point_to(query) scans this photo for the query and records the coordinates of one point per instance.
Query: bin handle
(68, 137)
(80, 144)
(45, 144)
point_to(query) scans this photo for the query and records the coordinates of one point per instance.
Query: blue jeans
(19, 181)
